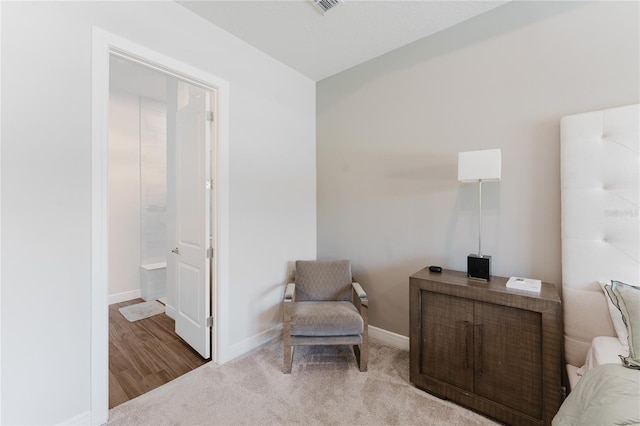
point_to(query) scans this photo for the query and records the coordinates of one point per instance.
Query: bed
(600, 191)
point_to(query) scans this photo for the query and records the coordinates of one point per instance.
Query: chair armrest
(359, 292)
(362, 305)
(290, 293)
(289, 298)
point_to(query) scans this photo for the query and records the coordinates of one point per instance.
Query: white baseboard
(170, 311)
(253, 342)
(392, 339)
(123, 297)
(80, 419)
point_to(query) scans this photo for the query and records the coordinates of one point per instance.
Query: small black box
(479, 267)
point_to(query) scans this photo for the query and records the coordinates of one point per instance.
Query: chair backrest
(318, 280)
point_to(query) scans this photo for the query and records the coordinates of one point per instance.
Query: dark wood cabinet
(487, 347)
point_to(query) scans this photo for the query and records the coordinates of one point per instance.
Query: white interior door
(192, 215)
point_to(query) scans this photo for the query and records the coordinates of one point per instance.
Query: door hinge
(209, 184)
(209, 321)
(210, 116)
(210, 253)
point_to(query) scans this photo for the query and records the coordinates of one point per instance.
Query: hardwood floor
(144, 354)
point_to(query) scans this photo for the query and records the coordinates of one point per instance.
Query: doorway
(160, 127)
(200, 201)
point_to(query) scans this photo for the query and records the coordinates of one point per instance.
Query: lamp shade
(485, 165)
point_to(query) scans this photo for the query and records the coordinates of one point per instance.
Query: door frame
(103, 44)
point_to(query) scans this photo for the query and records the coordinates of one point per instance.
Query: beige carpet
(325, 388)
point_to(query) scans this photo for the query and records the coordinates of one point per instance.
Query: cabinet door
(508, 362)
(447, 339)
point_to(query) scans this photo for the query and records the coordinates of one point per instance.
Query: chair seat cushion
(325, 319)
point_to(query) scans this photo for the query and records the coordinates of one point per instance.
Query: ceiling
(296, 33)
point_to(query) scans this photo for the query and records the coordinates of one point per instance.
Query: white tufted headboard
(600, 191)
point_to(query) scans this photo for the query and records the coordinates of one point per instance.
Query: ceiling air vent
(326, 5)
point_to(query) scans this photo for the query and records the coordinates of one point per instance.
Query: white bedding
(603, 350)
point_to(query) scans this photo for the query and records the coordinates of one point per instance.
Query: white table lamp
(479, 166)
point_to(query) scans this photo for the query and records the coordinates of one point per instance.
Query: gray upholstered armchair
(325, 307)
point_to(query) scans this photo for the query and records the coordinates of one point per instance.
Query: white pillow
(616, 317)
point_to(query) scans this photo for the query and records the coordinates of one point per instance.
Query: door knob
(176, 250)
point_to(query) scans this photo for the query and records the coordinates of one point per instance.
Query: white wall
(46, 161)
(389, 130)
(153, 181)
(124, 195)
(137, 190)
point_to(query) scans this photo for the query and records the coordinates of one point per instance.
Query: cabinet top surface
(497, 284)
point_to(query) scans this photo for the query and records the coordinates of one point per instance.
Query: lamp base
(479, 267)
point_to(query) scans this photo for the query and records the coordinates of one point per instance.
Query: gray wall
(389, 130)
